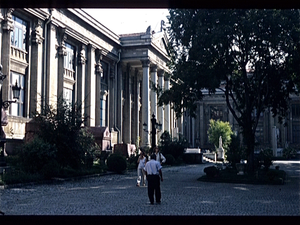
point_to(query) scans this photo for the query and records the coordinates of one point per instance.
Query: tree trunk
(249, 139)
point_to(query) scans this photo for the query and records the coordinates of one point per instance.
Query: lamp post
(5, 104)
(154, 126)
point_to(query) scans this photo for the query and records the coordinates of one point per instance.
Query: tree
(217, 129)
(253, 56)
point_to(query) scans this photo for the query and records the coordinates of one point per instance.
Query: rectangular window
(18, 34)
(69, 58)
(17, 109)
(68, 95)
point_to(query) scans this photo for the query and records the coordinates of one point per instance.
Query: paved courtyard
(182, 195)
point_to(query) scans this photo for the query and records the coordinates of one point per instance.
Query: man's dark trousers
(154, 185)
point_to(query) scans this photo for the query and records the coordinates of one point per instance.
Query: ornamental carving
(98, 67)
(81, 58)
(36, 34)
(8, 23)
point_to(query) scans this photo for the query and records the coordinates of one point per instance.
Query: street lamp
(155, 126)
(5, 104)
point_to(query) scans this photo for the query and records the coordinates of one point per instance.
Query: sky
(129, 20)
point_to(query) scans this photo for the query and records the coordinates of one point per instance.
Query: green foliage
(116, 163)
(219, 128)
(174, 147)
(210, 46)
(265, 158)
(170, 160)
(132, 162)
(289, 153)
(211, 171)
(61, 126)
(36, 155)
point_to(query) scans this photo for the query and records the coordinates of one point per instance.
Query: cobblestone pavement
(182, 195)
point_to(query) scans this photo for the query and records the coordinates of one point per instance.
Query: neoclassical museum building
(66, 52)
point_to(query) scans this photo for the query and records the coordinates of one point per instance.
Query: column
(36, 68)
(100, 94)
(145, 103)
(136, 106)
(111, 105)
(7, 27)
(153, 96)
(80, 80)
(127, 106)
(160, 109)
(90, 81)
(167, 107)
(119, 104)
(50, 84)
(61, 53)
(201, 120)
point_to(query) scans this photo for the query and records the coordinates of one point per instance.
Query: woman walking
(140, 170)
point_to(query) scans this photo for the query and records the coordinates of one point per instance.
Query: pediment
(159, 40)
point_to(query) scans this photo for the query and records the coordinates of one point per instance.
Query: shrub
(219, 128)
(174, 147)
(61, 126)
(211, 171)
(289, 153)
(36, 154)
(18, 176)
(265, 158)
(116, 163)
(50, 169)
(179, 161)
(170, 160)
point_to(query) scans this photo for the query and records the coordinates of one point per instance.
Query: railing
(18, 54)
(69, 74)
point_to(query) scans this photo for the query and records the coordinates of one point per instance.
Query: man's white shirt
(152, 167)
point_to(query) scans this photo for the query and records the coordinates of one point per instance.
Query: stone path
(182, 195)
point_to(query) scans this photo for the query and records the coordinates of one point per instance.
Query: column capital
(167, 77)
(145, 63)
(160, 73)
(153, 68)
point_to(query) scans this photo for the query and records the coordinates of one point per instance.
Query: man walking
(159, 157)
(154, 176)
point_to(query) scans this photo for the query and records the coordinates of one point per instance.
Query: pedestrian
(140, 170)
(154, 176)
(159, 156)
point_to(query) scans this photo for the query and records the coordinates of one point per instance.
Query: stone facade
(269, 133)
(66, 53)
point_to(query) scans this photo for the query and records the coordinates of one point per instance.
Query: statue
(220, 150)
(148, 31)
(220, 142)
